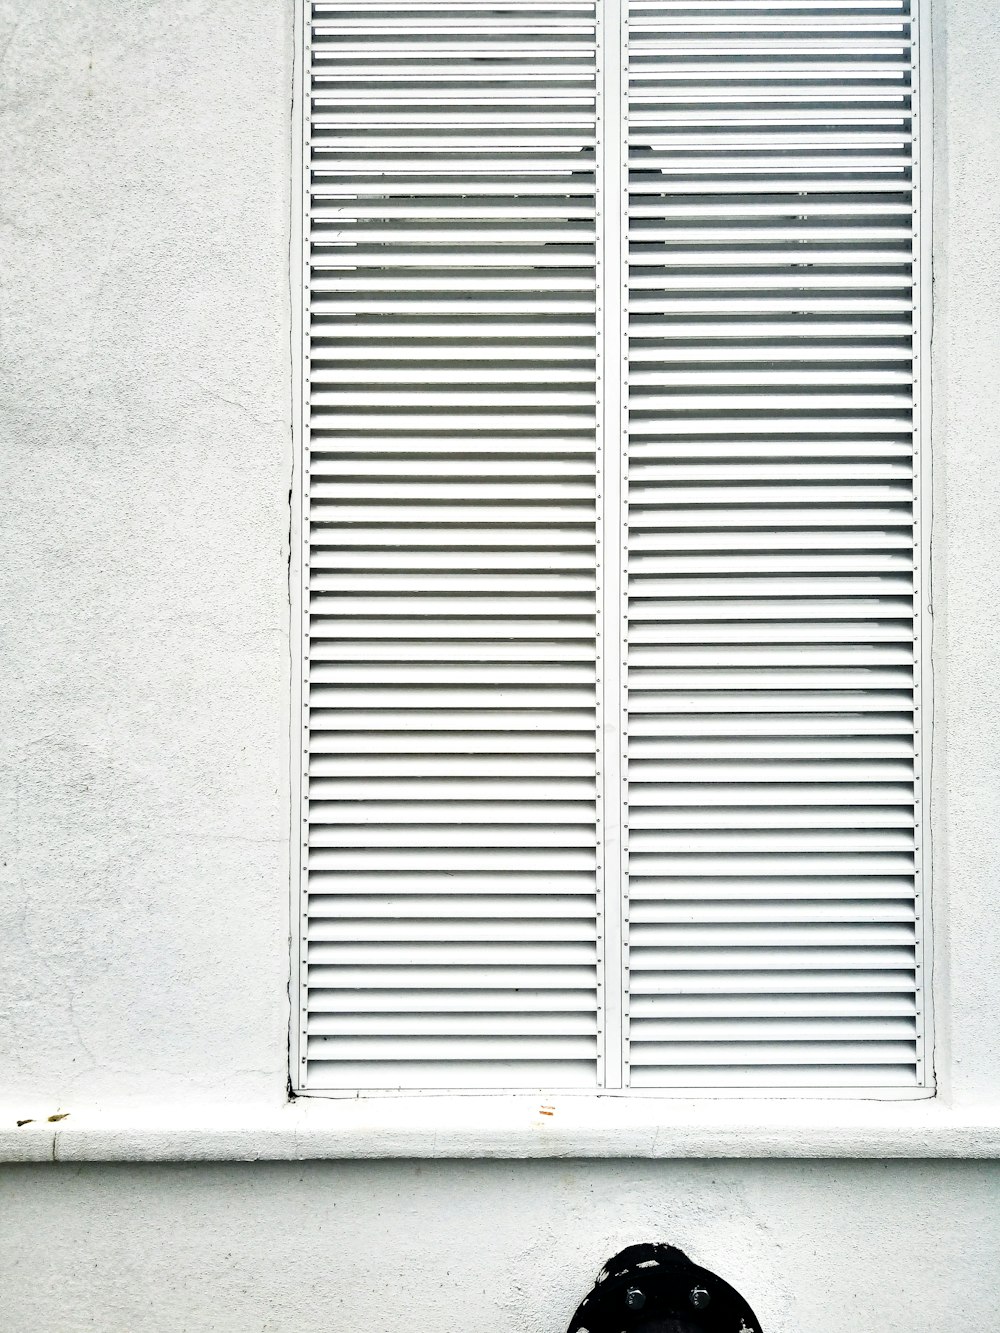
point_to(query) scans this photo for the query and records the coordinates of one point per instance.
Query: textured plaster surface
(145, 437)
(966, 565)
(390, 1247)
(144, 427)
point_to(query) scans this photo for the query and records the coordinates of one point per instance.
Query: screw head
(635, 1298)
(699, 1297)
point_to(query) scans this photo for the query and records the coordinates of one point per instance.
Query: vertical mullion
(299, 567)
(611, 462)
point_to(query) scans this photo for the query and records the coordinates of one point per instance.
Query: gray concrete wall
(144, 804)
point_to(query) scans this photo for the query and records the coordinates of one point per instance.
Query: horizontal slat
(655, 820)
(536, 536)
(471, 9)
(451, 1006)
(652, 802)
(893, 629)
(429, 933)
(507, 47)
(492, 1024)
(647, 91)
(648, 939)
(655, 843)
(778, 887)
(748, 742)
(538, 954)
(388, 346)
(649, 1035)
(651, 695)
(329, 92)
(715, 44)
(380, 582)
(421, 811)
(443, 859)
(523, 790)
(563, 652)
(652, 357)
(699, 985)
(751, 69)
(649, 590)
(459, 511)
(789, 609)
(779, 1077)
(894, 276)
(412, 695)
(433, 761)
(761, 1007)
(762, 1053)
(765, 183)
(497, 719)
(437, 910)
(333, 209)
(488, 1073)
(803, 773)
(648, 712)
(462, 887)
(697, 911)
(443, 838)
(806, 560)
(743, 23)
(395, 1048)
(378, 192)
(386, 490)
(488, 71)
(458, 674)
(451, 375)
(801, 539)
(660, 378)
(468, 980)
(658, 735)
(803, 656)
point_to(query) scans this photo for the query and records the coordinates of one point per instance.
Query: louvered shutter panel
(449, 929)
(753, 918)
(773, 544)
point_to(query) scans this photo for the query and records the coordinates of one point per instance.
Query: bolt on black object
(657, 1289)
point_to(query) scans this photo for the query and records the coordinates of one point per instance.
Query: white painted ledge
(509, 1127)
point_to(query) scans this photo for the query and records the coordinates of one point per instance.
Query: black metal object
(657, 1289)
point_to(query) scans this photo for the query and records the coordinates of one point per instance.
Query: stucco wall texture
(145, 421)
(144, 331)
(507, 1247)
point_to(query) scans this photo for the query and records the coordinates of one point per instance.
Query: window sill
(509, 1127)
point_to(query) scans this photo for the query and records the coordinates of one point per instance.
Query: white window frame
(611, 269)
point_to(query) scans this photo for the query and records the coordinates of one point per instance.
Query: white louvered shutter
(611, 547)
(450, 922)
(772, 539)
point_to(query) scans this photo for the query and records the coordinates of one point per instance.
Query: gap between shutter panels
(451, 918)
(771, 668)
(451, 906)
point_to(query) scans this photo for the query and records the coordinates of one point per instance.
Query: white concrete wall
(497, 1248)
(145, 419)
(145, 427)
